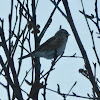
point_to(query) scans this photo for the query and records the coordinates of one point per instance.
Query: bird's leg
(57, 58)
(62, 54)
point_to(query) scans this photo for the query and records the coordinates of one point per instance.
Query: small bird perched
(52, 48)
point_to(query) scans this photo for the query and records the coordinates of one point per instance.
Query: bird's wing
(28, 55)
(51, 44)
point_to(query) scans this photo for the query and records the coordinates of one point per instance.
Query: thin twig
(25, 76)
(16, 7)
(71, 89)
(96, 11)
(73, 56)
(25, 9)
(94, 95)
(3, 85)
(72, 95)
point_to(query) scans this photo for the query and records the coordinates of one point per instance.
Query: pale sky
(67, 69)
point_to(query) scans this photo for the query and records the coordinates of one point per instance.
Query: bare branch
(83, 52)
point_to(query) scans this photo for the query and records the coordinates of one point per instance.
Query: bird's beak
(68, 34)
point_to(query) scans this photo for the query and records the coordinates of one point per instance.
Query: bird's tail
(23, 57)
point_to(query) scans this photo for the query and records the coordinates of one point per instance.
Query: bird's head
(62, 32)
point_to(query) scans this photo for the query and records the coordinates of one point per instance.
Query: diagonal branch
(91, 33)
(59, 9)
(49, 21)
(80, 45)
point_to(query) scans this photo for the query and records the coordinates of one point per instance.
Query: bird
(52, 48)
